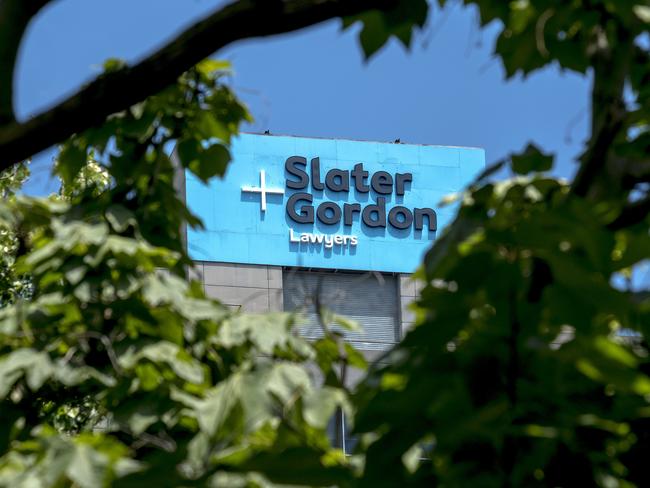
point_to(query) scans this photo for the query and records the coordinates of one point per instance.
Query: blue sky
(448, 89)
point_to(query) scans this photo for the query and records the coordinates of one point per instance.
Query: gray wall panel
(258, 288)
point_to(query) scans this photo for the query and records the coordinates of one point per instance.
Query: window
(371, 299)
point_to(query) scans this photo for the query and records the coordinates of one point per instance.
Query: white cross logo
(262, 190)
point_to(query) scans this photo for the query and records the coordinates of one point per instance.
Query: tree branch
(14, 18)
(611, 70)
(116, 91)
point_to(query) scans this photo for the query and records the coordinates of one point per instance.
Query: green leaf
(531, 160)
(168, 353)
(346, 323)
(34, 365)
(522, 12)
(269, 334)
(114, 64)
(213, 161)
(188, 151)
(355, 358)
(209, 67)
(204, 163)
(380, 26)
(120, 217)
(214, 411)
(139, 422)
(149, 376)
(321, 404)
(87, 467)
(412, 458)
(71, 159)
(209, 127)
(642, 12)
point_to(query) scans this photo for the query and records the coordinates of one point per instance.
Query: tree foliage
(11, 284)
(115, 368)
(527, 366)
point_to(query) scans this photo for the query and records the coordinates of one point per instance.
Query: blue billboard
(326, 203)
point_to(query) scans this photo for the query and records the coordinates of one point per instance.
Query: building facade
(299, 223)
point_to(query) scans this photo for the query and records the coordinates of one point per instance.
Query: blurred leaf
(212, 162)
(642, 12)
(113, 64)
(70, 161)
(119, 217)
(531, 160)
(380, 26)
(209, 66)
(321, 404)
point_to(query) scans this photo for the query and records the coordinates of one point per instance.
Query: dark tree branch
(116, 91)
(611, 70)
(594, 160)
(14, 18)
(633, 171)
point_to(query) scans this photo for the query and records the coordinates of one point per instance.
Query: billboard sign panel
(326, 203)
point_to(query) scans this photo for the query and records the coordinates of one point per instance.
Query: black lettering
(348, 211)
(382, 183)
(379, 209)
(407, 218)
(306, 213)
(335, 218)
(344, 180)
(316, 183)
(359, 176)
(291, 167)
(420, 213)
(400, 179)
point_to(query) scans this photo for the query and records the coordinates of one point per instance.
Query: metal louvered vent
(369, 298)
